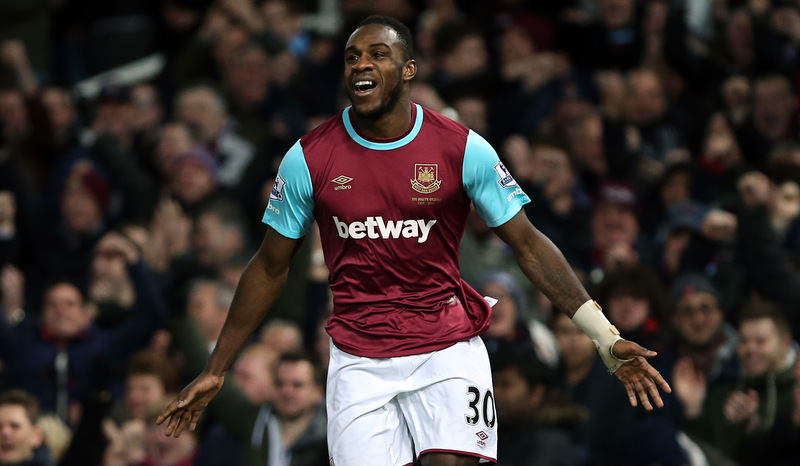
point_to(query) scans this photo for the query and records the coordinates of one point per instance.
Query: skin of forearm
(545, 266)
(257, 290)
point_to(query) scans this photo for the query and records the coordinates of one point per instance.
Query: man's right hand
(185, 409)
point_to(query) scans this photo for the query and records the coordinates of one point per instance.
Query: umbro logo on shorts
(482, 436)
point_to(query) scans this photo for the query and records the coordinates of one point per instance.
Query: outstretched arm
(261, 283)
(548, 270)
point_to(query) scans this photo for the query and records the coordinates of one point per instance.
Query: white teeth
(363, 83)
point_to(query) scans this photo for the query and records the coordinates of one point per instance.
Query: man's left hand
(639, 377)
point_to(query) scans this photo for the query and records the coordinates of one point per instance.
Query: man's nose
(362, 63)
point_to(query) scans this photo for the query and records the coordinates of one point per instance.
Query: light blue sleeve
(290, 210)
(489, 184)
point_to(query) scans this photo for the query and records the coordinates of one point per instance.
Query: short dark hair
(293, 357)
(526, 362)
(403, 33)
(148, 362)
(28, 402)
(766, 310)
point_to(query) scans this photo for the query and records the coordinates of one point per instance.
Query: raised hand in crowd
(689, 386)
(719, 225)
(114, 244)
(12, 287)
(796, 413)
(14, 55)
(786, 20)
(8, 212)
(742, 408)
(125, 443)
(170, 231)
(754, 189)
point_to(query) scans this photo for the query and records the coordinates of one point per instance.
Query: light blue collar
(382, 145)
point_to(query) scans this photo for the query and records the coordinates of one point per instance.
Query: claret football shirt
(391, 214)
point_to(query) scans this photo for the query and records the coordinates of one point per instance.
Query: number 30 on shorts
(480, 406)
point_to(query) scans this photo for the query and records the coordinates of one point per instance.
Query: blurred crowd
(658, 139)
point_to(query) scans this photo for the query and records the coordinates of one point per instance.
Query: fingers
(642, 392)
(193, 422)
(183, 422)
(658, 380)
(173, 423)
(631, 393)
(652, 389)
(179, 402)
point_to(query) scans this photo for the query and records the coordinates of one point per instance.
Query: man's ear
(37, 437)
(409, 69)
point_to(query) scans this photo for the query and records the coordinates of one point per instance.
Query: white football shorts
(389, 411)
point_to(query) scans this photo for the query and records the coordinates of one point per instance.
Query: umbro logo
(342, 181)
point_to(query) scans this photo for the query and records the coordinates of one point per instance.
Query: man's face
(575, 347)
(141, 392)
(202, 306)
(504, 313)
(18, 436)
(81, 211)
(627, 312)
(297, 393)
(762, 347)
(613, 224)
(773, 106)
(199, 108)
(64, 314)
(253, 374)
(698, 318)
(209, 238)
(59, 109)
(645, 102)
(513, 395)
(375, 70)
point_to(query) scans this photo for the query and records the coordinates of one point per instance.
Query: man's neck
(390, 125)
(293, 429)
(574, 374)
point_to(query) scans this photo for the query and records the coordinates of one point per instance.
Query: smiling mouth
(364, 87)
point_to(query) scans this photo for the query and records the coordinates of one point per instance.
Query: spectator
(749, 417)
(110, 288)
(511, 324)
(632, 298)
(207, 303)
(283, 336)
(220, 234)
(55, 359)
(204, 108)
(149, 377)
(536, 416)
(66, 250)
(22, 439)
(615, 239)
(654, 136)
(613, 40)
(583, 375)
(254, 373)
(773, 119)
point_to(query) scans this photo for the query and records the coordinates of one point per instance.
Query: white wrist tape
(590, 318)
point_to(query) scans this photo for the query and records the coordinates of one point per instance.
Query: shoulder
(322, 132)
(443, 123)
